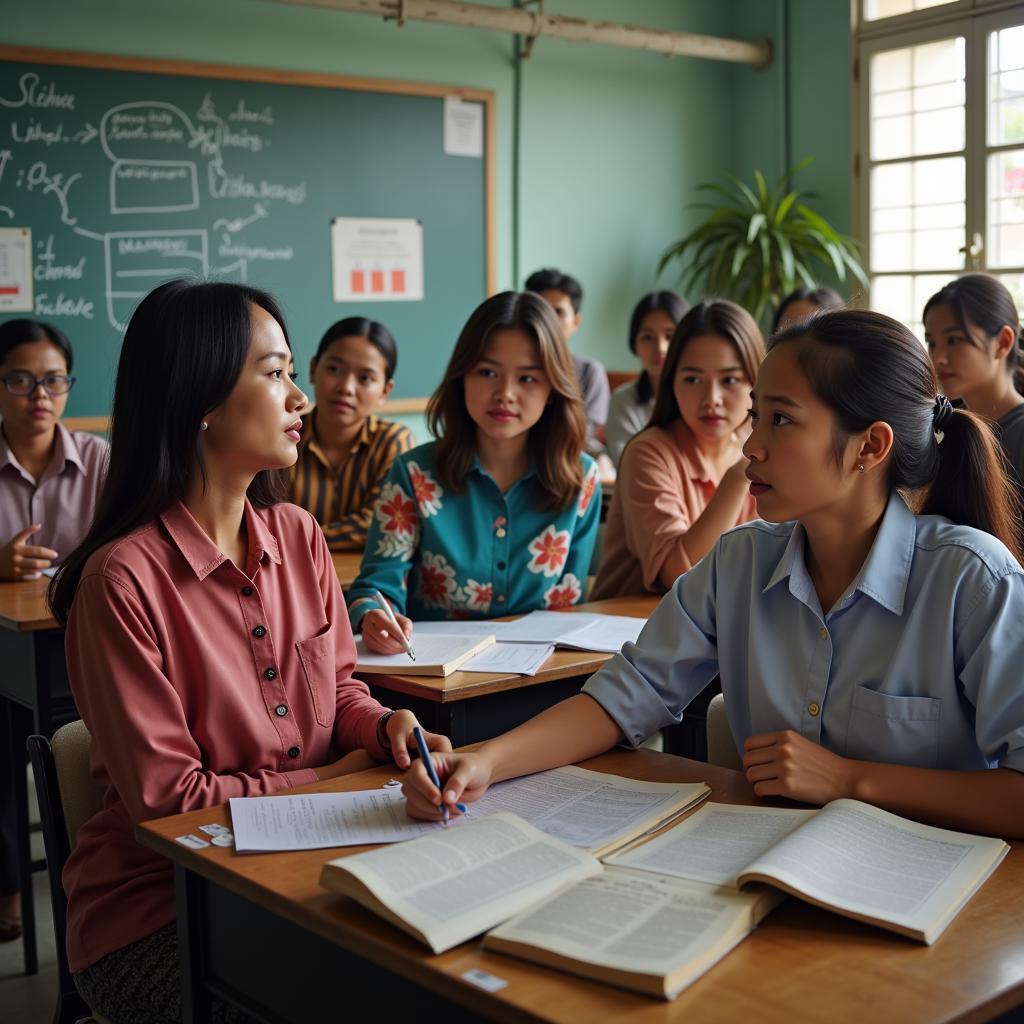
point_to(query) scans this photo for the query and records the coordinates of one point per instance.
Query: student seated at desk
(972, 331)
(50, 476)
(565, 294)
(49, 479)
(346, 451)
(207, 645)
(864, 650)
(802, 303)
(682, 481)
(499, 515)
(651, 328)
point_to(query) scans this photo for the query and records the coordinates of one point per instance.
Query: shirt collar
(531, 469)
(310, 442)
(202, 555)
(65, 451)
(883, 576)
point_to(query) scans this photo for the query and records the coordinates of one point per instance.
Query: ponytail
(867, 367)
(973, 485)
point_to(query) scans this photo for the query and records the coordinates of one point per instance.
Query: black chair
(67, 796)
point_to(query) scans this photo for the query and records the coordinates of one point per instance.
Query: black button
(281, 710)
(294, 751)
(246, 591)
(271, 673)
(501, 566)
(260, 631)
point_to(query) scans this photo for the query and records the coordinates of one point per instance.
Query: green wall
(612, 141)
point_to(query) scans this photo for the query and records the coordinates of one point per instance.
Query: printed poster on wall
(377, 259)
(15, 270)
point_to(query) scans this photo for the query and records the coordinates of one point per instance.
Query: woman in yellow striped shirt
(346, 449)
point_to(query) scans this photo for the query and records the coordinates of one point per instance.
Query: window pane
(1006, 209)
(875, 9)
(903, 297)
(1006, 86)
(918, 215)
(917, 100)
(1015, 283)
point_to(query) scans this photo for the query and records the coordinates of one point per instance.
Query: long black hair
(359, 327)
(183, 352)
(674, 307)
(867, 367)
(983, 303)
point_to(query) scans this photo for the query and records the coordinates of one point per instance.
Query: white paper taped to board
(377, 259)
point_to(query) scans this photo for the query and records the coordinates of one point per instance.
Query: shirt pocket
(891, 729)
(317, 657)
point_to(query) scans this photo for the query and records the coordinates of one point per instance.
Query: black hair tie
(942, 413)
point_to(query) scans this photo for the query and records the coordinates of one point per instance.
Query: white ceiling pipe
(534, 24)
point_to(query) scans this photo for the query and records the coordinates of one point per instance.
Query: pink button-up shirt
(200, 683)
(64, 497)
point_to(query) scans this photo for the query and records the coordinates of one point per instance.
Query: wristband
(382, 730)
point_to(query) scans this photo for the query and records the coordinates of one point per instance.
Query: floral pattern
(436, 554)
(427, 490)
(587, 491)
(399, 523)
(550, 549)
(437, 581)
(563, 594)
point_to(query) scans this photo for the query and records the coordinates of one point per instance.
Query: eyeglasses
(24, 383)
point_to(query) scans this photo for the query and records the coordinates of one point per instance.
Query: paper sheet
(605, 633)
(523, 659)
(430, 649)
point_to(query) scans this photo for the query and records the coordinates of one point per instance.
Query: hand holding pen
(428, 764)
(385, 632)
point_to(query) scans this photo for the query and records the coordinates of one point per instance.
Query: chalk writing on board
(48, 269)
(35, 93)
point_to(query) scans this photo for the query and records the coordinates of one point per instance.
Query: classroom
(649, 380)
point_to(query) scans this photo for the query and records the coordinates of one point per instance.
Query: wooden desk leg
(188, 894)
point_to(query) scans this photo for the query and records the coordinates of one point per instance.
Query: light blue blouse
(921, 661)
(479, 554)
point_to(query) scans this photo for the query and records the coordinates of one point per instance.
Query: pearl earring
(204, 425)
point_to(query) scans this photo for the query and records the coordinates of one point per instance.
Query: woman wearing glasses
(49, 480)
(50, 476)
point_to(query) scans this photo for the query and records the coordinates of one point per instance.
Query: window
(941, 103)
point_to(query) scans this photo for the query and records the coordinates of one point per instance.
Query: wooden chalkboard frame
(317, 79)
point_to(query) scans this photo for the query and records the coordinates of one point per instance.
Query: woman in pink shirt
(208, 647)
(681, 481)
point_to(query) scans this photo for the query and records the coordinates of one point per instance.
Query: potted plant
(757, 244)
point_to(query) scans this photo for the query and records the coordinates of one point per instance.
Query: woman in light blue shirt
(864, 651)
(500, 514)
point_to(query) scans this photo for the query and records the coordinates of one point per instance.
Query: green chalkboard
(129, 172)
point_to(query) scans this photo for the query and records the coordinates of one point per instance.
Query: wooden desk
(258, 930)
(346, 565)
(472, 706)
(34, 698)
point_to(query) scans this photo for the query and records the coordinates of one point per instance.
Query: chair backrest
(721, 746)
(80, 794)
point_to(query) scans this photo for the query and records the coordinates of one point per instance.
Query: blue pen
(428, 763)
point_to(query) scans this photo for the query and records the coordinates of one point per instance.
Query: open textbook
(593, 810)
(436, 655)
(651, 933)
(849, 857)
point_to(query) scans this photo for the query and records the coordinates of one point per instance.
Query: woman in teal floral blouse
(500, 514)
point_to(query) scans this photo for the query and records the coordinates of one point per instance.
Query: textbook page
(590, 809)
(605, 633)
(636, 929)
(876, 866)
(716, 844)
(436, 654)
(452, 885)
(524, 659)
(544, 628)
